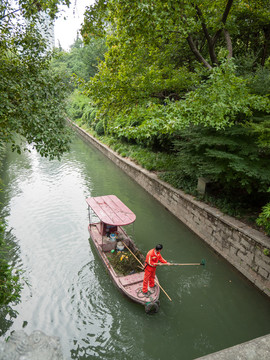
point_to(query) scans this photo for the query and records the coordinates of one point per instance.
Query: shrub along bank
(10, 282)
(238, 168)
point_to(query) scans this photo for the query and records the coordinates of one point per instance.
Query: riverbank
(257, 349)
(245, 248)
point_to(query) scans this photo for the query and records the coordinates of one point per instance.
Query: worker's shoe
(147, 293)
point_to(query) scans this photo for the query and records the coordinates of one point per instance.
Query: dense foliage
(82, 60)
(32, 96)
(10, 285)
(191, 79)
(231, 157)
(264, 220)
(159, 50)
(10, 282)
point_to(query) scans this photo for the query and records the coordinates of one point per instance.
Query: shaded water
(71, 295)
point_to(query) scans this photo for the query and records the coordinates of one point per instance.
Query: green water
(71, 295)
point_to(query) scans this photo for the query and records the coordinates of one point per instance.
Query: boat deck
(131, 284)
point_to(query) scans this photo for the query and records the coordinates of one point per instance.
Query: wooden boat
(122, 259)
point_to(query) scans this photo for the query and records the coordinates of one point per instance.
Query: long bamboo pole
(162, 289)
(133, 254)
(181, 264)
(143, 268)
(184, 264)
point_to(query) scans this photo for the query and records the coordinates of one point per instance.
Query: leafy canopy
(177, 54)
(32, 96)
(195, 71)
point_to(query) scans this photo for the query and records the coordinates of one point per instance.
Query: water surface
(71, 295)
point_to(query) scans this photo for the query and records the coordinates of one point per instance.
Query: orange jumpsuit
(152, 258)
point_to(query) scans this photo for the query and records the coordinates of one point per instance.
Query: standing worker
(153, 258)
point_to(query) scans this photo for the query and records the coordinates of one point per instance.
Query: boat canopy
(111, 210)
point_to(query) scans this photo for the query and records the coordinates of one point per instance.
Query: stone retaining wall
(239, 244)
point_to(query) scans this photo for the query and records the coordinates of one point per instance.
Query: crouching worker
(153, 258)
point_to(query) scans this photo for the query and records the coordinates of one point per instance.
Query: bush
(264, 218)
(99, 128)
(230, 157)
(10, 285)
(180, 181)
(80, 108)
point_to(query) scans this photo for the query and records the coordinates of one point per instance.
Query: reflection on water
(71, 295)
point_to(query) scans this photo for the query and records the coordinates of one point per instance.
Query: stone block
(256, 236)
(240, 247)
(265, 258)
(236, 235)
(245, 257)
(202, 184)
(261, 263)
(231, 222)
(263, 273)
(233, 251)
(246, 244)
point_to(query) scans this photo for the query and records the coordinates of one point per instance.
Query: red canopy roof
(111, 210)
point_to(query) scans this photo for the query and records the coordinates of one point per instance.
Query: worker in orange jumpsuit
(153, 258)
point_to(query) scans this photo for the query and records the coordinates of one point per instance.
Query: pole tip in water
(203, 262)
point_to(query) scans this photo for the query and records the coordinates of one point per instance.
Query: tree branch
(223, 20)
(197, 53)
(211, 47)
(9, 14)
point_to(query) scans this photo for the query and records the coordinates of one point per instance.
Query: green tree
(82, 59)
(173, 66)
(204, 26)
(32, 96)
(230, 157)
(177, 51)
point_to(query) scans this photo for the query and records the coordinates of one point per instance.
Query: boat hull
(130, 285)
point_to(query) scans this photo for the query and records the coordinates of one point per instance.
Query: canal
(71, 296)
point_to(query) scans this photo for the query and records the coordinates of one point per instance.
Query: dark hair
(159, 247)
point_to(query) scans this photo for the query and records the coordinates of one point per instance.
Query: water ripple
(72, 296)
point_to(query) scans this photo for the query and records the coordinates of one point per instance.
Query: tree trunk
(266, 44)
(211, 47)
(196, 52)
(229, 43)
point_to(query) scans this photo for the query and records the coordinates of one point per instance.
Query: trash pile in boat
(124, 262)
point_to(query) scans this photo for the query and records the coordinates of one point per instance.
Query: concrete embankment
(244, 247)
(257, 349)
